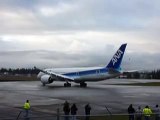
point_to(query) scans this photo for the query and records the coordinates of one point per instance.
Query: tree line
(154, 74)
(12, 71)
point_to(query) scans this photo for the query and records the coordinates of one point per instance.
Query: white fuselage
(89, 74)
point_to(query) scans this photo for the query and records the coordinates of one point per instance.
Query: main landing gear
(83, 84)
(67, 84)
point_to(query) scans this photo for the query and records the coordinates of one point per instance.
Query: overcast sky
(72, 33)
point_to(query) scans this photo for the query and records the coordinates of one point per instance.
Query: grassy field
(119, 117)
(115, 117)
(4, 78)
(142, 84)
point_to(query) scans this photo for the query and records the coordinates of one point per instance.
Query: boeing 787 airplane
(83, 75)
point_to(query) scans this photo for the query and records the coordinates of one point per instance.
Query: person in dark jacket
(87, 111)
(74, 111)
(66, 109)
(131, 112)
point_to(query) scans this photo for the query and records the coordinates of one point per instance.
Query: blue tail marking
(117, 58)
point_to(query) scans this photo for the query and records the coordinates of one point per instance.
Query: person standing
(26, 108)
(66, 109)
(87, 111)
(131, 112)
(147, 113)
(74, 111)
(139, 113)
(157, 112)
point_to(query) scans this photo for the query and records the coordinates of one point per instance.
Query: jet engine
(46, 79)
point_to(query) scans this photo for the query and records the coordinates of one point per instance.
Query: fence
(108, 116)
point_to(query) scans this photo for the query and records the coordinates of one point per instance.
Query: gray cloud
(78, 33)
(141, 61)
(110, 15)
(54, 59)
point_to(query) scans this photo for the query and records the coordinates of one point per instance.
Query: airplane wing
(56, 76)
(132, 71)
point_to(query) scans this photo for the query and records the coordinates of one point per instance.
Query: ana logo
(116, 56)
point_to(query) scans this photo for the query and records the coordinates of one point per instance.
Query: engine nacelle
(46, 79)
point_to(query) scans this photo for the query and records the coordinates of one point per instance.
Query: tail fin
(117, 58)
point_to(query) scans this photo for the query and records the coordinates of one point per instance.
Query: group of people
(73, 109)
(133, 114)
(66, 108)
(147, 112)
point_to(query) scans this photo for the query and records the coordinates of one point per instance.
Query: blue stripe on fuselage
(87, 72)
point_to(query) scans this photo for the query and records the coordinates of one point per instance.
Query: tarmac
(45, 100)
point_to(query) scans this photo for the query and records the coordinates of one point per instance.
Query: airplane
(83, 75)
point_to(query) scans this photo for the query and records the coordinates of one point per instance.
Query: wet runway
(45, 100)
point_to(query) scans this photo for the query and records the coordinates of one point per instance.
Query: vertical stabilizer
(117, 58)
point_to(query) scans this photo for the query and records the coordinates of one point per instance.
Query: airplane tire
(67, 84)
(44, 84)
(83, 84)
